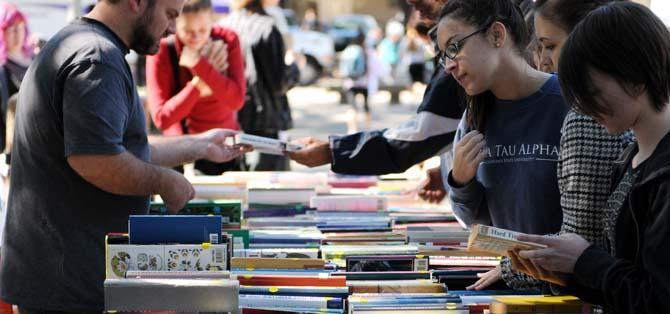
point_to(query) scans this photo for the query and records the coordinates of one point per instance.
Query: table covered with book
(290, 242)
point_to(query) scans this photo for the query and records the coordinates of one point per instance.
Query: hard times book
(497, 240)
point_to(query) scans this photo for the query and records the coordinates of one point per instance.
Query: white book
(287, 302)
(349, 203)
(280, 196)
(139, 274)
(497, 240)
(179, 295)
(266, 145)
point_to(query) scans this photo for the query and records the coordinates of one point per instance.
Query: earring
(497, 45)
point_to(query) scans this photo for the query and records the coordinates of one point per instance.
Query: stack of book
(308, 237)
(437, 238)
(321, 243)
(295, 285)
(170, 263)
(266, 198)
(423, 215)
(338, 254)
(229, 210)
(218, 187)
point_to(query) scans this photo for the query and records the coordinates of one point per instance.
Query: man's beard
(142, 41)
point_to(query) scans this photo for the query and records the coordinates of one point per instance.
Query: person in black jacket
(630, 274)
(426, 134)
(266, 110)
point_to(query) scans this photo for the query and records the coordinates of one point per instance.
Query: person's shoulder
(552, 86)
(83, 42)
(551, 92)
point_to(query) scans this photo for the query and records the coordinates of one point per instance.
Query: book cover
(276, 263)
(266, 145)
(179, 229)
(497, 240)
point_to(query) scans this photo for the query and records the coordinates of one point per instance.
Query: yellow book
(538, 304)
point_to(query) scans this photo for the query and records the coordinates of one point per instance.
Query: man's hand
(433, 191)
(175, 190)
(214, 148)
(313, 154)
(486, 279)
(216, 53)
(468, 154)
(189, 57)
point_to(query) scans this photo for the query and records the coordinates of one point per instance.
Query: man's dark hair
(195, 6)
(623, 40)
(483, 13)
(152, 3)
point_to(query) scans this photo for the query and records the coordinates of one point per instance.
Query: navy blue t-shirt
(516, 186)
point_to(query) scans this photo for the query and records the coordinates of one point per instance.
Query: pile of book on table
(170, 263)
(312, 243)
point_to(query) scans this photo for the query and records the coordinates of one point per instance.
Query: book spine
(293, 281)
(289, 302)
(276, 263)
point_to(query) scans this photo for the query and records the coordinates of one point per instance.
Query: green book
(230, 210)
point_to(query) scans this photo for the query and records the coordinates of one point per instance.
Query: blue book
(178, 229)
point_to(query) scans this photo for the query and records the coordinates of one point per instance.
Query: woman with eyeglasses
(507, 146)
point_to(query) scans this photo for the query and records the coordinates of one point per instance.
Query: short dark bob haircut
(623, 40)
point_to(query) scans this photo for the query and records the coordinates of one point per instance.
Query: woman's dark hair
(195, 6)
(255, 6)
(566, 13)
(528, 12)
(483, 13)
(623, 40)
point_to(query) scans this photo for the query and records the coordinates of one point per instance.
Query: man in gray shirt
(81, 158)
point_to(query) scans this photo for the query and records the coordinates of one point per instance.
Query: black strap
(174, 60)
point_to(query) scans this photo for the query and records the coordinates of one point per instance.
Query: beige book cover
(497, 240)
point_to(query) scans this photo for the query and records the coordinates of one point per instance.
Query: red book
(268, 280)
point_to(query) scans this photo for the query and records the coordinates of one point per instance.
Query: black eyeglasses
(454, 48)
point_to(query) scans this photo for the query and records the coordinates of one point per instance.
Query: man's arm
(211, 145)
(394, 150)
(125, 174)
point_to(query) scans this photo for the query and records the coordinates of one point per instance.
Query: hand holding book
(498, 241)
(554, 262)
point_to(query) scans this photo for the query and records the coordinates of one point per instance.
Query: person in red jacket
(209, 87)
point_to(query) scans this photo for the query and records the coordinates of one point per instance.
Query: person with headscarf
(16, 53)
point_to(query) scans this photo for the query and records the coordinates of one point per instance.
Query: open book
(266, 145)
(496, 240)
